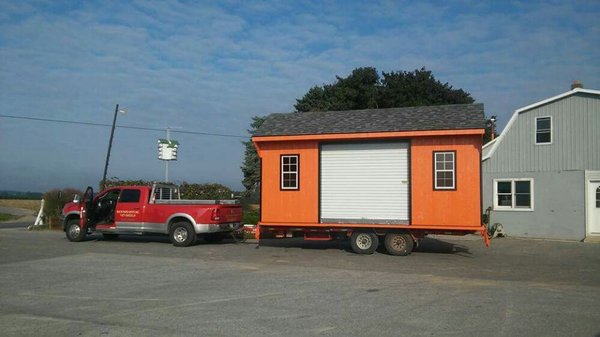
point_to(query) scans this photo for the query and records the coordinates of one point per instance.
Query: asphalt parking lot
(145, 286)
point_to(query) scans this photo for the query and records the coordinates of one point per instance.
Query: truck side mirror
(76, 198)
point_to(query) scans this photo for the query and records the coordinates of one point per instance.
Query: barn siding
(575, 144)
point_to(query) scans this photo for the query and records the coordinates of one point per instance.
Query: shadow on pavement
(429, 245)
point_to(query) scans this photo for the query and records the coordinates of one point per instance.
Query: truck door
(129, 212)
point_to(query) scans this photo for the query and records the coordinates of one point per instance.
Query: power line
(121, 126)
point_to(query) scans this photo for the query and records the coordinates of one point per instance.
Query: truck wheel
(182, 234)
(363, 242)
(214, 237)
(74, 232)
(399, 243)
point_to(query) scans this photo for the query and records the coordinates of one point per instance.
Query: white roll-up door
(364, 182)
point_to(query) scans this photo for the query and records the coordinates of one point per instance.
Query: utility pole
(112, 132)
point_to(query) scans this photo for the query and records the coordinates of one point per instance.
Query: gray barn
(541, 176)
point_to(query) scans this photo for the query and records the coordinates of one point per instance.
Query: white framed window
(513, 194)
(543, 130)
(444, 170)
(290, 165)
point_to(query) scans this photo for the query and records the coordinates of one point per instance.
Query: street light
(112, 132)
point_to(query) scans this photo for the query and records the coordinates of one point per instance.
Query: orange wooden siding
(290, 206)
(460, 207)
(429, 207)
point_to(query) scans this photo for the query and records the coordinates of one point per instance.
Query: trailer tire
(182, 234)
(364, 242)
(400, 244)
(74, 232)
(214, 237)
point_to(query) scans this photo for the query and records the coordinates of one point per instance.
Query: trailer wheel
(363, 242)
(182, 234)
(214, 237)
(74, 232)
(399, 243)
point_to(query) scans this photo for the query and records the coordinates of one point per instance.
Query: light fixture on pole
(112, 133)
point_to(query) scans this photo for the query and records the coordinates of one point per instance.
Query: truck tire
(182, 234)
(364, 242)
(74, 232)
(400, 244)
(214, 237)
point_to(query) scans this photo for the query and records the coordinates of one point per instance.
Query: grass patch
(7, 217)
(32, 205)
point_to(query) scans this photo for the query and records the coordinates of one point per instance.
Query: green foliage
(205, 191)
(251, 217)
(187, 190)
(55, 200)
(251, 166)
(365, 89)
(114, 181)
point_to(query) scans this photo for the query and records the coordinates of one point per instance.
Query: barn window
(444, 170)
(513, 194)
(289, 172)
(598, 197)
(543, 130)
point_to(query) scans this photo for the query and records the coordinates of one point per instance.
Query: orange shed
(381, 174)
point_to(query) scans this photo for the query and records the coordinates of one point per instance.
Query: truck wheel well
(68, 218)
(178, 219)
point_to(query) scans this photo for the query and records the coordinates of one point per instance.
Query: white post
(166, 161)
(38, 220)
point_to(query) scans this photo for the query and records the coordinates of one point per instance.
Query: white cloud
(211, 66)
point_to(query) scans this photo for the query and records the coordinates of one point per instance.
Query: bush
(187, 190)
(205, 191)
(251, 217)
(114, 181)
(53, 203)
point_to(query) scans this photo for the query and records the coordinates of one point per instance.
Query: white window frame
(436, 170)
(296, 172)
(513, 207)
(536, 131)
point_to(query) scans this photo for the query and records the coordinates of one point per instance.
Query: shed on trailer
(398, 173)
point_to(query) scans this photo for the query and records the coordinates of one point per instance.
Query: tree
(251, 167)
(364, 88)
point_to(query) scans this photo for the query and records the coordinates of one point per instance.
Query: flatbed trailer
(364, 239)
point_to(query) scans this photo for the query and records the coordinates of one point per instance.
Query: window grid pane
(543, 130)
(444, 170)
(514, 194)
(289, 172)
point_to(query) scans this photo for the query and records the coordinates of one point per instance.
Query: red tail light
(216, 214)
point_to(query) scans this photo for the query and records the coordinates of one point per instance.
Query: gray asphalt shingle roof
(438, 117)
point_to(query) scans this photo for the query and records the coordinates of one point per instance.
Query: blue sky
(210, 66)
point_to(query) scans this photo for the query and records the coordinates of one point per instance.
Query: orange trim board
(337, 225)
(370, 135)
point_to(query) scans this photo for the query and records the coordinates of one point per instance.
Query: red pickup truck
(150, 210)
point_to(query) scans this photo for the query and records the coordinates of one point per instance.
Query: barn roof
(438, 117)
